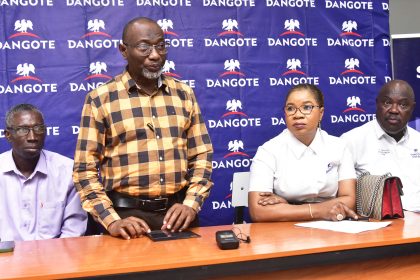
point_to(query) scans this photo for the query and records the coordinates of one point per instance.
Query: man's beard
(151, 75)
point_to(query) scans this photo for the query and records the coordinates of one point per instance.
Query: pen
(360, 218)
(149, 125)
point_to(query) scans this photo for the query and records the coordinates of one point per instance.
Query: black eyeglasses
(290, 110)
(146, 49)
(24, 130)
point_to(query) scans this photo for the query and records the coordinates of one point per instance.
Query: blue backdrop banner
(240, 57)
(406, 66)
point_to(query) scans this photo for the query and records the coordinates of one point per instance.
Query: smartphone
(161, 235)
(7, 246)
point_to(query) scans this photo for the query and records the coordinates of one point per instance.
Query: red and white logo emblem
(21, 27)
(96, 68)
(231, 65)
(291, 25)
(235, 146)
(352, 102)
(233, 106)
(351, 64)
(94, 26)
(293, 64)
(229, 25)
(167, 24)
(348, 27)
(24, 70)
(166, 69)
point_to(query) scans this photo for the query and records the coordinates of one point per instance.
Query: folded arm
(268, 207)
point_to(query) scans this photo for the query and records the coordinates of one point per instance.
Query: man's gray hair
(20, 108)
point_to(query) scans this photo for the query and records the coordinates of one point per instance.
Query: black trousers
(153, 219)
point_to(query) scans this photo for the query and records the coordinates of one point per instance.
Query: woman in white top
(303, 173)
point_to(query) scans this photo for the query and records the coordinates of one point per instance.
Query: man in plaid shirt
(143, 155)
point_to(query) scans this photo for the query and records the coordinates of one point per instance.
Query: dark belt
(120, 200)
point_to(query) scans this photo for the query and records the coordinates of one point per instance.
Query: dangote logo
(287, 38)
(24, 70)
(226, 203)
(233, 106)
(291, 25)
(359, 115)
(234, 146)
(165, 24)
(352, 102)
(230, 191)
(351, 64)
(166, 69)
(228, 25)
(230, 65)
(22, 26)
(94, 26)
(292, 65)
(293, 76)
(350, 38)
(234, 118)
(348, 27)
(348, 78)
(96, 68)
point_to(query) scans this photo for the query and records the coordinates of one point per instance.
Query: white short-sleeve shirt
(301, 173)
(375, 151)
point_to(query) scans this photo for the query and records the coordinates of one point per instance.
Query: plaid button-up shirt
(141, 145)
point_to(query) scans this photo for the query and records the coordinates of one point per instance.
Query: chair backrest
(240, 186)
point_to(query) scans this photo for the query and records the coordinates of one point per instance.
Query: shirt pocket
(51, 219)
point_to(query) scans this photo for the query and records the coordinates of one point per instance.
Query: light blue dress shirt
(44, 205)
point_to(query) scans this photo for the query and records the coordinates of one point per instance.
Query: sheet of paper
(345, 226)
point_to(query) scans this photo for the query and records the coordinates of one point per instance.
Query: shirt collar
(9, 164)
(381, 133)
(131, 86)
(42, 164)
(298, 148)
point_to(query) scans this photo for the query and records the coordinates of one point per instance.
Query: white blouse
(300, 173)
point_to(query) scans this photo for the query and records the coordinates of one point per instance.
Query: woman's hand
(335, 212)
(268, 198)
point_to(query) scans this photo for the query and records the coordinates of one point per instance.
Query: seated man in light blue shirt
(37, 196)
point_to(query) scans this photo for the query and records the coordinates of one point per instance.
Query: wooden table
(276, 249)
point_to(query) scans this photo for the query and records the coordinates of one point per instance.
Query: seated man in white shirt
(37, 197)
(387, 144)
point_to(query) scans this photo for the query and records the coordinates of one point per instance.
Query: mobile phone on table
(161, 235)
(7, 246)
